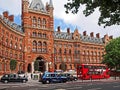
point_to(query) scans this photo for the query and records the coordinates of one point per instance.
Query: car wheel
(47, 81)
(24, 81)
(6, 81)
(75, 79)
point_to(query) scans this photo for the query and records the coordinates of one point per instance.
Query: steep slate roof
(62, 35)
(66, 36)
(12, 24)
(37, 5)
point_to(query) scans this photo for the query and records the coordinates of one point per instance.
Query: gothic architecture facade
(36, 40)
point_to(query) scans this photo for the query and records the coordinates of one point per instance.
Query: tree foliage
(109, 10)
(13, 64)
(36, 65)
(112, 56)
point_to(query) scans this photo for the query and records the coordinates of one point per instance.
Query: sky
(64, 20)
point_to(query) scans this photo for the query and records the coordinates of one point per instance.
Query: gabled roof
(37, 5)
(12, 24)
(66, 36)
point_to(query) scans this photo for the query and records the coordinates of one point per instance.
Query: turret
(25, 4)
(50, 8)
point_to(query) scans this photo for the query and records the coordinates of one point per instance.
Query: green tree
(36, 65)
(13, 64)
(112, 56)
(109, 10)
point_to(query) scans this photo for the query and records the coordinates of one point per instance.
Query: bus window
(79, 67)
(85, 66)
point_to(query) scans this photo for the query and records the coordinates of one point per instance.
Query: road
(76, 85)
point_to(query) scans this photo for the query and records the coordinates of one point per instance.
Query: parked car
(13, 78)
(70, 77)
(52, 77)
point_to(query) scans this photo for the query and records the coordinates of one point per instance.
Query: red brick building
(36, 39)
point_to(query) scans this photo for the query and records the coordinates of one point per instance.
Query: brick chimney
(58, 28)
(98, 35)
(110, 37)
(11, 18)
(5, 14)
(84, 33)
(92, 34)
(68, 30)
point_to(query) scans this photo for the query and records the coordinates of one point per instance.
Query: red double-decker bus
(92, 71)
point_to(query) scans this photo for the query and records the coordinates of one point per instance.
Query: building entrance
(41, 64)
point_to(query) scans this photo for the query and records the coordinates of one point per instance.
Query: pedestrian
(31, 75)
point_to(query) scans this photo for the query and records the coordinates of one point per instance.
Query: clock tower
(37, 21)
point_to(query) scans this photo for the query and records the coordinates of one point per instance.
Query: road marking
(73, 88)
(60, 89)
(116, 86)
(94, 88)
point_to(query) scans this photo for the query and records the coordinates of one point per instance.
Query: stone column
(46, 64)
(32, 64)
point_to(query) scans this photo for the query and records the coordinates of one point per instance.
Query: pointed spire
(51, 3)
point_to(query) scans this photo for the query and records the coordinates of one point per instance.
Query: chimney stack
(92, 34)
(68, 30)
(98, 35)
(84, 33)
(11, 18)
(58, 28)
(5, 14)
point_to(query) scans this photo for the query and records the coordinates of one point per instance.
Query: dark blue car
(52, 77)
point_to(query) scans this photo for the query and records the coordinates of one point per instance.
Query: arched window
(39, 46)
(34, 34)
(65, 51)
(34, 43)
(44, 35)
(44, 44)
(39, 43)
(11, 44)
(44, 23)
(39, 21)
(70, 51)
(55, 50)
(20, 47)
(60, 51)
(34, 22)
(15, 45)
(6, 42)
(34, 46)
(39, 35)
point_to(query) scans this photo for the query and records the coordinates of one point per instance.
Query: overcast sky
(64, 20)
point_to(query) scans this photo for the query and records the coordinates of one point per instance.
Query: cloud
(13, 6)
(83, 23)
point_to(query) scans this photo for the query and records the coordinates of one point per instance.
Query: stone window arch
(69, 51)
(34, 45)
(44, 23)
(34, 34)
(11, 44)
(15, 45)
(39, 34)
(44, 44)
(6, 42)
(34, 21)
(55, 50)
(39, 22)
